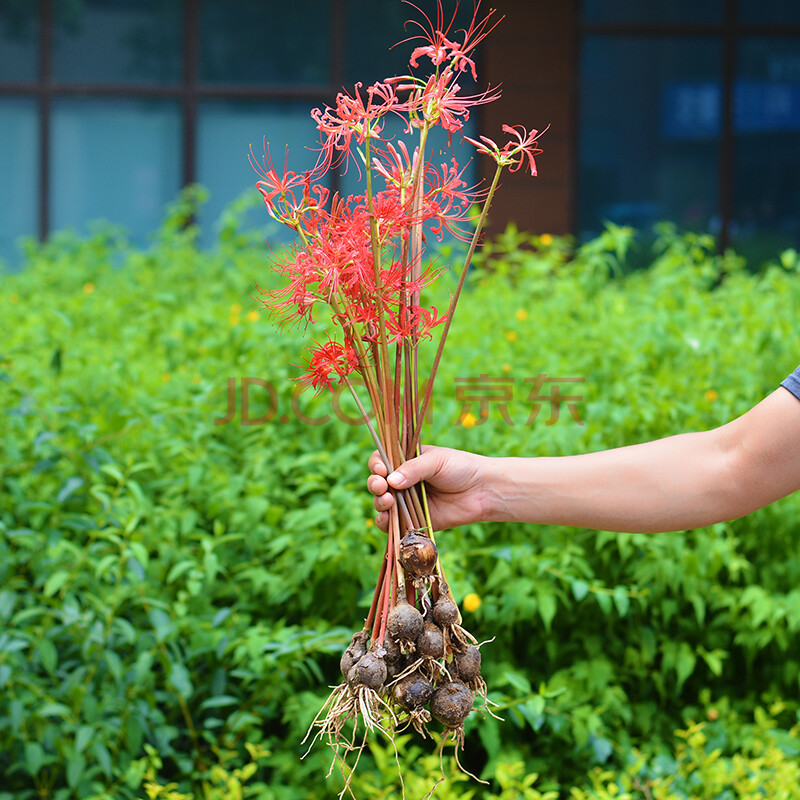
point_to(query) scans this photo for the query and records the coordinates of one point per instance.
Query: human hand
(455, 485)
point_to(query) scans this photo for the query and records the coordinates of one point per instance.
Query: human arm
(678, 483)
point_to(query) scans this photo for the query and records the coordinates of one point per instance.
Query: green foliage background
(175, 594)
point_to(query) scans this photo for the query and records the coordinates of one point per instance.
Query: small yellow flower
(468, 420)
(712, 714)
(546, 239)
(236, 309)
(234, 320)
(512, 336)
(252, 316)
(166, 377)
(521, 314)
(370, 523)
(472, 602)
(506, 368)
(711, 396)
(13, 298)
(88, 287)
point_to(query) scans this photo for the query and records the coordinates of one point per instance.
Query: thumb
(421, 468)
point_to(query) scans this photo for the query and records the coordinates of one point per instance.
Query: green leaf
(179, 569)
(520, 683)
(604, 601)
(54, 710)
(547, 608)
(8, 601)
(221, 616)
(162, 624)
(180, 679)
(76, 766)
(71, 485)
(103, 756)
(114, 663)
(579, 589)
(685, 663)
(621, 600)
(48, 654)
(55, 582)
(601, 748)
(83, 736)
(220, 702)
(34, 757)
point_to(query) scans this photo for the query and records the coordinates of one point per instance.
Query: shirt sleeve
(792, 383)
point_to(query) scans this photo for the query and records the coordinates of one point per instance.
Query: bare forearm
(677, 483)
(642, 488)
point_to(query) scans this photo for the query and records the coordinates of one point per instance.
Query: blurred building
(680, 110)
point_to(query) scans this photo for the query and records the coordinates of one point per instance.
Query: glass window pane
(254, 42)
(116, 160)
(766, 208)
(19, 34)
(775, 12)
(226, 131)
(656, 11)
(19, 159)
(650, 123)
(117, 41)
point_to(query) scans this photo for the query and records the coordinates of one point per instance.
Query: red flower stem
(453, 301)
(376, 623)
(394, 520)
(383, 348)
(386, 460)
(416, 255)
(387, 578)
(369, 374)
(371, 616)
(397, 395)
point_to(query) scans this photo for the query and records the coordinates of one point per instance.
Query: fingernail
(397, 479)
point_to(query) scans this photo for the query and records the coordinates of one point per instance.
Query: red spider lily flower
(277, 185)
(353, 117)
(412, 322)
(512, 154)
(437, 101)
(329, 360)
(293, 303)
(396, 167)
(448, 200)
(443, 50)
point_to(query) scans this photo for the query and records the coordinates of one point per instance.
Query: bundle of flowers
(364, 256)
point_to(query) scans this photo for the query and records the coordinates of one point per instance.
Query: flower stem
(453, 301)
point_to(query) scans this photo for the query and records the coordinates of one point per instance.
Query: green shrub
(174, 594)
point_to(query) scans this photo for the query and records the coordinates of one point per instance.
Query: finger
(377, 485)
(421, 468)
(382, 521)
(384, 502)
(376, 464)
